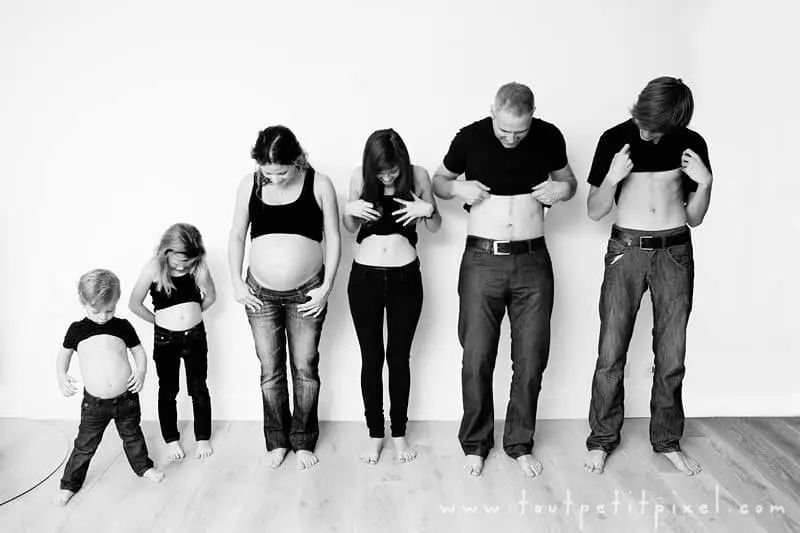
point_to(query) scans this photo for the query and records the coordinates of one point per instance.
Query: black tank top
(387, 224)
(301, 217)
(185, 291)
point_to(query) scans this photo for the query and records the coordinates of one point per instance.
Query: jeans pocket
(614, 252)
(681, 256)
(160, 339)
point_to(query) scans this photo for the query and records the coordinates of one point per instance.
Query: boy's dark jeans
(277, 322)
(96, 413)
(398, 291)
(487, 286)
(169, 347)
(669, 275)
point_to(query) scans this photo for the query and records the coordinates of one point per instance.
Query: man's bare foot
(277, 455)
(305, 459)
(683, 462)
(530, 466)
(204, 449)
(595, 461)
(403, 452)
(63, 497)
(473, 464)
(154, 475)
(175, 451)
(372, 452)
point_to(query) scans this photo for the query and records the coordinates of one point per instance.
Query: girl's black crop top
(185, 291)
(301, 217)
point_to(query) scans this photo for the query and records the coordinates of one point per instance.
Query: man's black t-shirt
(647, 156)
(477, 153)
(83, 329)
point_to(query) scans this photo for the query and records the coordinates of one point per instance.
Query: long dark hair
(385, 150)
(278, 145)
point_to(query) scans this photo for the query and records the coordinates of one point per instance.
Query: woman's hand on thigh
(246, 296)
(318, 299)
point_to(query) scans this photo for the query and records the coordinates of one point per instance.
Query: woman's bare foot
(403, 452)
(473, 464)
(683, 462)
(372, 452)
(277, 455)
(595, 461)
(204, 449)
(153, 475)
(63, 497)
(175, 451)
(530, 465)
(305, 459)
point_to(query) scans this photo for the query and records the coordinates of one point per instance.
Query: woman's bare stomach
(385, 251)
(283, 262)
(179, 317)
(105, 369)
(511, 218)
(651, 201)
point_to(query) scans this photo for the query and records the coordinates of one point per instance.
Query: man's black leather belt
(505, 247)
(650, 242)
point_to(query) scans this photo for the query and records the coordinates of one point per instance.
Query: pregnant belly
(284, 262)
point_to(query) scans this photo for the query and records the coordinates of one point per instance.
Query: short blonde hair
(99, 286)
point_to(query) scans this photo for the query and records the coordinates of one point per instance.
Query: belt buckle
(495, 250)
(641, 241)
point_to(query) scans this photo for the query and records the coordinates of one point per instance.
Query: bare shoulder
(323, 184)
(422, 180)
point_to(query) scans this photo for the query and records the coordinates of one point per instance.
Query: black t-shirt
(83, 329)
(479, 155)
(647, 156)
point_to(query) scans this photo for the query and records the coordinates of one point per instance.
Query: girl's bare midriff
(104, 365)
(180, 317)
(509, 218)
(282, 262)
(651, 201)
(385, 251)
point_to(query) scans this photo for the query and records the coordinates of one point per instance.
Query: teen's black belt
(505, 247)
(650, 242)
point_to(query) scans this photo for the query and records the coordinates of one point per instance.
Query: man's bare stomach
(507, 218)
(104, 365)
(651, 201)
(385, 251)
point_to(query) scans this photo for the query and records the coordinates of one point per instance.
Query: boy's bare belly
(512, 218)
(104, 365)
(651, 201)
(180, 317)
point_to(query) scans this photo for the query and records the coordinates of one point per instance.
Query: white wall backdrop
(117, 120)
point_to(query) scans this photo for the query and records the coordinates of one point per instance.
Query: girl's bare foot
(683, 462)
(372, 452)
(595, 461)
(63, 497)
(204, 449)
(530, 466)
(154, 475)
(175, 451)
(277, 455)
(473, 464)
(403, 452)
(305, 459)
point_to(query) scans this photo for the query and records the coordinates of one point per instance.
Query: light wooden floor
(749, 465)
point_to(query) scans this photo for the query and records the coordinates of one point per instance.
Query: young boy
(657, 171)
(110, 385)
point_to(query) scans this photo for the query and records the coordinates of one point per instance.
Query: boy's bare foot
(530, 466)
(175, 451)
(154, 475)
(372, 452)
(595, 461)
(683, 462)
(277, 455)
(473, 464)
(63, 497)
(204, 449)
(305, 459)
(404, 452)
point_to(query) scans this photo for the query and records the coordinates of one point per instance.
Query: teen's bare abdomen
(511, 218)
(385, 250)
(104, 365)
(651, 201)
(283, 262)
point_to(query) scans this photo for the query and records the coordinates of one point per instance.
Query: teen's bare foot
(529, 465)
(277, 456)
(204, 449)
(305, 459)
(473, 464)
(403, 452)
(595, 461)
(154, 475)
(63, 497)
(372, 451)
(683, 462)
(175, 451)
